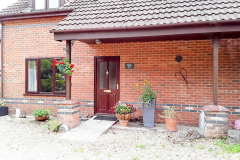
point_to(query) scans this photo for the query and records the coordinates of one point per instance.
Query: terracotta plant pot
(42, 118)
(123, 123)
(171, 124)
(124, 118)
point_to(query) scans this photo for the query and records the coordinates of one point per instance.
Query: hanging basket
(62, 67)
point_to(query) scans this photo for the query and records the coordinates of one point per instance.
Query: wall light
(98, 41)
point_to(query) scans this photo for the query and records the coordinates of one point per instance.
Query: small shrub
(230, 148)
(42, 112)
(53, 125)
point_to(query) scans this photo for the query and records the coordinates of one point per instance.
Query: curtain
(32, 75)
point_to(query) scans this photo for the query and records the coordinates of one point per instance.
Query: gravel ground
(28, 141)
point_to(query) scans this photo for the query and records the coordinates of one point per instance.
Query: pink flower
(72, 65)
(70, 77)
(125, 111)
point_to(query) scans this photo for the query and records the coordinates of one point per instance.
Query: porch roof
(93, 18)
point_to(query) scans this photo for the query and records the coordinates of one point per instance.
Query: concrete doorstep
(88, 131)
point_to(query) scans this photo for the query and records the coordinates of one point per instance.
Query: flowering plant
(147, 94)
(123, 108)
(68, 66)
(170, 113)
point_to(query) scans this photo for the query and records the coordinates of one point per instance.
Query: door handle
(117, 86)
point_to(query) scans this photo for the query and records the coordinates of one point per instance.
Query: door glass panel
(102, 75)
(112, 75)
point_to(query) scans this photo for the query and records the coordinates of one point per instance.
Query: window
(43, 78)
(46, 4)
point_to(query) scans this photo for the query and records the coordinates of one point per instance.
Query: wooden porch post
(68, 80)
(215, 69)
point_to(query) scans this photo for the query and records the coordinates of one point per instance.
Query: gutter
(215, 23)
(36, 14)
(2, 61)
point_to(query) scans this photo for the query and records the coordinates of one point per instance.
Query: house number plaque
(129, 65)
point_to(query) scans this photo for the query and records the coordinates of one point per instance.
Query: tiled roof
(96, 14)
(21, 6)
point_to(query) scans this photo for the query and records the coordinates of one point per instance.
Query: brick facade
(154, 61)
(27, 39)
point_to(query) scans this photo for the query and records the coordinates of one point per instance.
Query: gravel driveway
(28, 141)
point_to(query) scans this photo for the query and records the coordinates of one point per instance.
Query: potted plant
(64, 66)
(148, 100)
(3, 109)
(171, 118)
(124, 112)
(42, 114)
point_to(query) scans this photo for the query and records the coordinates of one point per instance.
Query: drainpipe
(2, 61)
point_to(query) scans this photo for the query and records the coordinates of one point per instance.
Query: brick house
(103, 38)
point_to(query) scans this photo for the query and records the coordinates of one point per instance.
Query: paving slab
(88, 131)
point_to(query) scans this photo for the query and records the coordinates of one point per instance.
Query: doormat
(107, 118)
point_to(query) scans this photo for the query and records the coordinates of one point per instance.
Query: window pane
(46, 75)
(32, 75)
(60, 81)
(102, 74)
(53, 3)
(40, 4)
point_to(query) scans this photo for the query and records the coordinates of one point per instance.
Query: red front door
(107, 83)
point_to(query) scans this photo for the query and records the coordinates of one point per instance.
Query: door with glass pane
(107, 83)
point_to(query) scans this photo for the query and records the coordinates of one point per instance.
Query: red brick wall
(25, 39)
(154, 61)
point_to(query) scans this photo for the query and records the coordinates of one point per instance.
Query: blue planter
(149, 114)
(61, 67)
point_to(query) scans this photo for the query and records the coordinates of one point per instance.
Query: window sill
(44, 94)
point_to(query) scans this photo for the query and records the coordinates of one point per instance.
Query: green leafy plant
(53, 125)
(170, 113)
(200, 147)
(42, 112)
(141, 146)
(192, 145)
(210, 150)
(79, 150)
(68, 66)
(230, 148)
(121, 108)
(2, 102)
(136, 158)
(147, 94)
